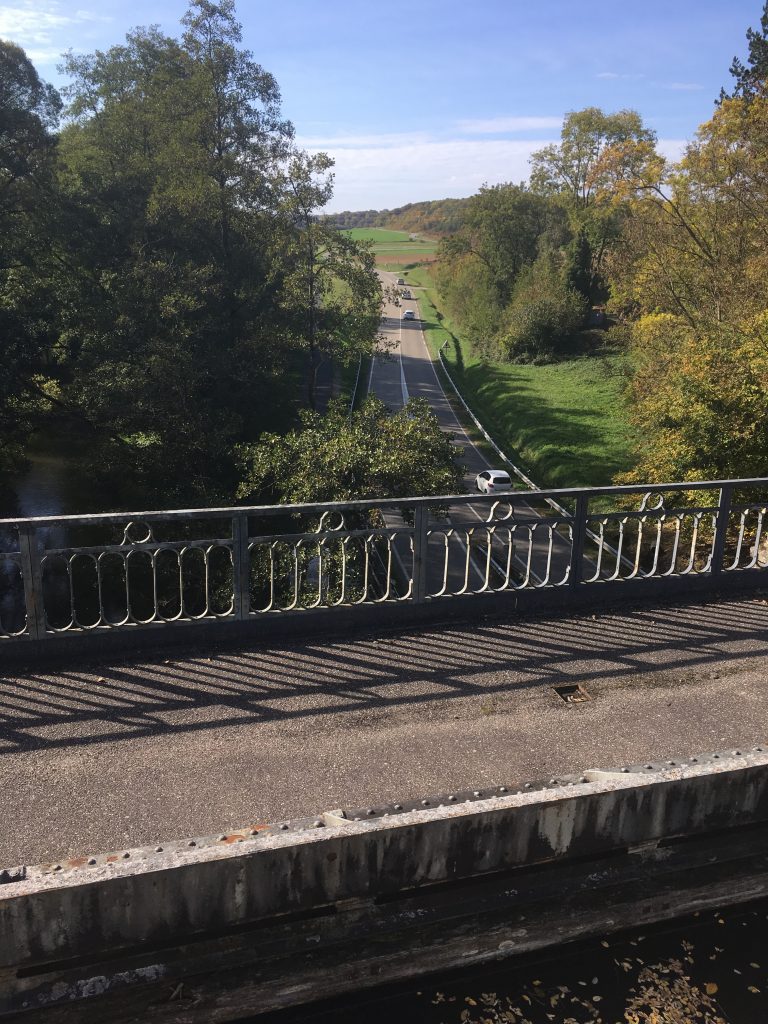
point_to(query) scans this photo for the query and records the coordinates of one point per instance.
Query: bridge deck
(141, 750)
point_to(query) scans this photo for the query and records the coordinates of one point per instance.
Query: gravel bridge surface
(128, 751)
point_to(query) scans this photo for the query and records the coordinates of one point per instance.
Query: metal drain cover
(572, 693)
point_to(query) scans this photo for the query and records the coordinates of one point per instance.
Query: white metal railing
(68, 575)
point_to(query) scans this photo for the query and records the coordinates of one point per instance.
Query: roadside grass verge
(348, 378)
(566, 424)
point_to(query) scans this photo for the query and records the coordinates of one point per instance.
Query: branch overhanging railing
(79, 575)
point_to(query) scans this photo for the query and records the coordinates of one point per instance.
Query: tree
(332, 294)
(170, 303)
(698, 399)
(594, 150)
(578, 273)
(371, 454)
(587, 173)
(752, 77)
(697, 268)
(501, 234)
(544, 315)
(29, 112)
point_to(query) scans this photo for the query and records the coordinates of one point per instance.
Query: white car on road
(493, 481)
(408, 314)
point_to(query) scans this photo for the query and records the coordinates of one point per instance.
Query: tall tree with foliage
(596, 154)
(752, 77)
(171, 319)
(331, 295)
(29, 111)
(696, 273)
(479, 264)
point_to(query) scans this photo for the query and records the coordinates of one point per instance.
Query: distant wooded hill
(438, 216)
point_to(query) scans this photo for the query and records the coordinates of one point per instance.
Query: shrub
(541, 327)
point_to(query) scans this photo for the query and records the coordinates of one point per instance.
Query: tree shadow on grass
(563, 445)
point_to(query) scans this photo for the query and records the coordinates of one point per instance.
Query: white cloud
(627, 76)
(383, 140)
(504, 125)
(392, 170)
(41, 26)
(389, 175)
(682, 86)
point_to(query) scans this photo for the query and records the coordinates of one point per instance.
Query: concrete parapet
(216, 928)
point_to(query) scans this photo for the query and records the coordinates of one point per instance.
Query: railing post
(32, 574)
(241, 568)
(578, 533)
(721, 529)
(420, 541)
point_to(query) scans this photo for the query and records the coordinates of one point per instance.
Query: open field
(567, 423)
(395, 247)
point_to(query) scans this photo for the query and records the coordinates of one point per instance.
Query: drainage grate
(572, 693)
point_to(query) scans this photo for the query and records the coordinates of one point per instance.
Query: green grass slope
(567, 423)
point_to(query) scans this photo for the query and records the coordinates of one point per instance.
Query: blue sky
(423, 99)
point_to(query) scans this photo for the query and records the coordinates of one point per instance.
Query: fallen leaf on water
(710, 988)
(757, 966)
(470, 1000)
(752, 988)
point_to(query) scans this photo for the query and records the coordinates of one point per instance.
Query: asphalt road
(404, 370)
(126, 752)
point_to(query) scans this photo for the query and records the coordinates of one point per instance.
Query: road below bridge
(142, 750)
(403, 370)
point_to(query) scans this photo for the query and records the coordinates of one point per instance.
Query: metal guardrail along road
(85, 575)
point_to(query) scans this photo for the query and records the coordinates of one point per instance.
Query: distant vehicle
(400, 280)
(408, 314)
(493, 481)
(406, 294)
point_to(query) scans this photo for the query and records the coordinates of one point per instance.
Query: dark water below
(51, 483)
(710, 968)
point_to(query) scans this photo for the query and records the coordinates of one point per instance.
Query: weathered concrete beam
(277, 914)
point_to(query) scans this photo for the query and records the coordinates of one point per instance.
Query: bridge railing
(96, 574)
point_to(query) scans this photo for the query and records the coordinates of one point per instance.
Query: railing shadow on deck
(210, 689)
